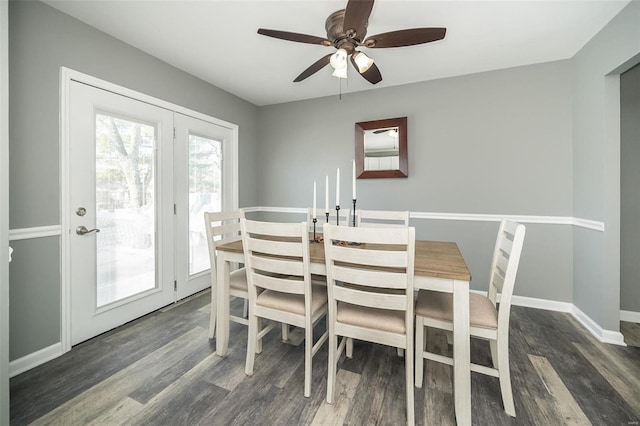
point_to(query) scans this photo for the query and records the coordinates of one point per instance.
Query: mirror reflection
(381, 149)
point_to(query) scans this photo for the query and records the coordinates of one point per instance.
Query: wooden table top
(438, 259)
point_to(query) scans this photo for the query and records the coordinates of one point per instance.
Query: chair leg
(494, 353)
(331, 373)
(505, 378)
(408, 362)
(420, 347)
(349, 347)
(251, 344)
(308, 358)
(400, 352)
(212, 315)
(285, 332)
(258, 348)
(245, 309)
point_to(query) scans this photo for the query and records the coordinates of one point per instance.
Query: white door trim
(66, 76)
(4, 212)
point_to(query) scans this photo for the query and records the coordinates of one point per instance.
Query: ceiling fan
(346, 31)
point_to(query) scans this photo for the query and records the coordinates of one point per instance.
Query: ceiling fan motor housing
(335, 32)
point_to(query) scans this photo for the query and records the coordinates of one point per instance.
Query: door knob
(82, 230)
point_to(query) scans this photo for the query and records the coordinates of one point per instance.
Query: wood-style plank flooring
(162, 370)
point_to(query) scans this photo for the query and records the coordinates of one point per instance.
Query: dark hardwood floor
(162, 370)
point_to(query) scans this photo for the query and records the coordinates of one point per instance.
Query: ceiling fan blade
(356, 17)
(372, 75)
(300, 38)
(408, 37)
(314, 68)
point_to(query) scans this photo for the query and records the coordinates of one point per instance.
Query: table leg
(222, 306)
(461, 353)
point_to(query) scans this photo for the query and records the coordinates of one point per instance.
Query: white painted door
(121, 209)
(203, 154)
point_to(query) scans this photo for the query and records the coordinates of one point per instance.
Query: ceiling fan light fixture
(340, 72)
(339, 59)
(362, 61)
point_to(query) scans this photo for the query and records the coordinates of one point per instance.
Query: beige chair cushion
(439, 305)
(380, 319)
(293, 303)
(238, 279)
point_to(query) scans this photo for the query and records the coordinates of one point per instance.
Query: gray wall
(596, 163)
(41, 40)
(630, 190)
(495, 143)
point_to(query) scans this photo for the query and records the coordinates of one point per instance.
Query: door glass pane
(205, 195)
(125, 210)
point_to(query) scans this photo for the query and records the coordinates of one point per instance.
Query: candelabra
(354, 212)
(338, 215)
(315, 239)
(327, 215)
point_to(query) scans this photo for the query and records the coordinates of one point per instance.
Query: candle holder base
(354, 212)
(315, 239)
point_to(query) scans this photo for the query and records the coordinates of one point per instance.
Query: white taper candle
(314, 199)
(354, 179)
(326, 194)
(338, 187)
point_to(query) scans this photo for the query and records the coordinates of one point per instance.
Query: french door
(202, 155)
(140, 178)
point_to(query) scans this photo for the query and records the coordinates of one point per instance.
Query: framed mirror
(381, 148)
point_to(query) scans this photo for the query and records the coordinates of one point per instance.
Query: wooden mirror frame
(403, 170)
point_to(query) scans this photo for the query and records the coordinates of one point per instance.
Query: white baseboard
(532, 302)
(605, 336)
(34, 359)
(548, 305)
(630, 316)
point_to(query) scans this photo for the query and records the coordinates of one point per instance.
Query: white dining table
(439, 266)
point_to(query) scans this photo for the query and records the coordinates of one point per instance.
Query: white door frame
(4, 212)
(66, 75)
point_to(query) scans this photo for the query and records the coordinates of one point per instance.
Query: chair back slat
(369, 257)
(279, 283)
(272, 247)
(506, 245)
(273, 230)
(225, 229)
(390, 236)
(382, 219)
(371, 278)
(395, 302)
(273, 265)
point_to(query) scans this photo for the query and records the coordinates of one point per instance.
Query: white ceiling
(217, 42)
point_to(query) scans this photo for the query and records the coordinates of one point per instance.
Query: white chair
(487, 321)
(359, 278)
(280, 288)
(377, 219)
(224, 227)
(382, 218)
